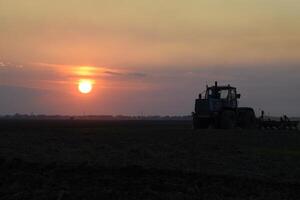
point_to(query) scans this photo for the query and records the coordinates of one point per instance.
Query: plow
(218, 108)
(284, 123)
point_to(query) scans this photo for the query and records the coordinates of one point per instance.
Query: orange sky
(145, 53)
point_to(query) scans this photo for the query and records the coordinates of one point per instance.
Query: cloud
(112, 73)
(8, 64)
(137, 74)
(94, 72)
(126, 74)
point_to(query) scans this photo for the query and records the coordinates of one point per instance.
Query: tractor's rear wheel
(246, 118)
(228, 119)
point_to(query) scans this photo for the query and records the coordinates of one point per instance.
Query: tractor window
(224, 94)
(208, 93)
(233, 94)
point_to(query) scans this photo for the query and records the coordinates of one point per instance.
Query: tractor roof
(222, 87)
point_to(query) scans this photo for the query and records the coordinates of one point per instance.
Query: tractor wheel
(247, 119)
(200, 123)
(228, 119)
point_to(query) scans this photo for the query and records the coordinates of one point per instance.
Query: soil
(145, 160)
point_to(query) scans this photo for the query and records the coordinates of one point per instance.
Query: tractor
(219, 109)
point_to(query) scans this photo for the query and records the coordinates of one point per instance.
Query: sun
(85, 86)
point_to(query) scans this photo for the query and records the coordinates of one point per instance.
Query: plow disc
(279, 125)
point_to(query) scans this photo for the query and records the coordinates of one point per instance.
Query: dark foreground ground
(145, 160)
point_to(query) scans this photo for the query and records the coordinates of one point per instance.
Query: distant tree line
(93, 117)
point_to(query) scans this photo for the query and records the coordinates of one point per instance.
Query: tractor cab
(216, 99)
(224, 96)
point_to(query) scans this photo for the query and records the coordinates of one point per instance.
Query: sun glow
(85, 86)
